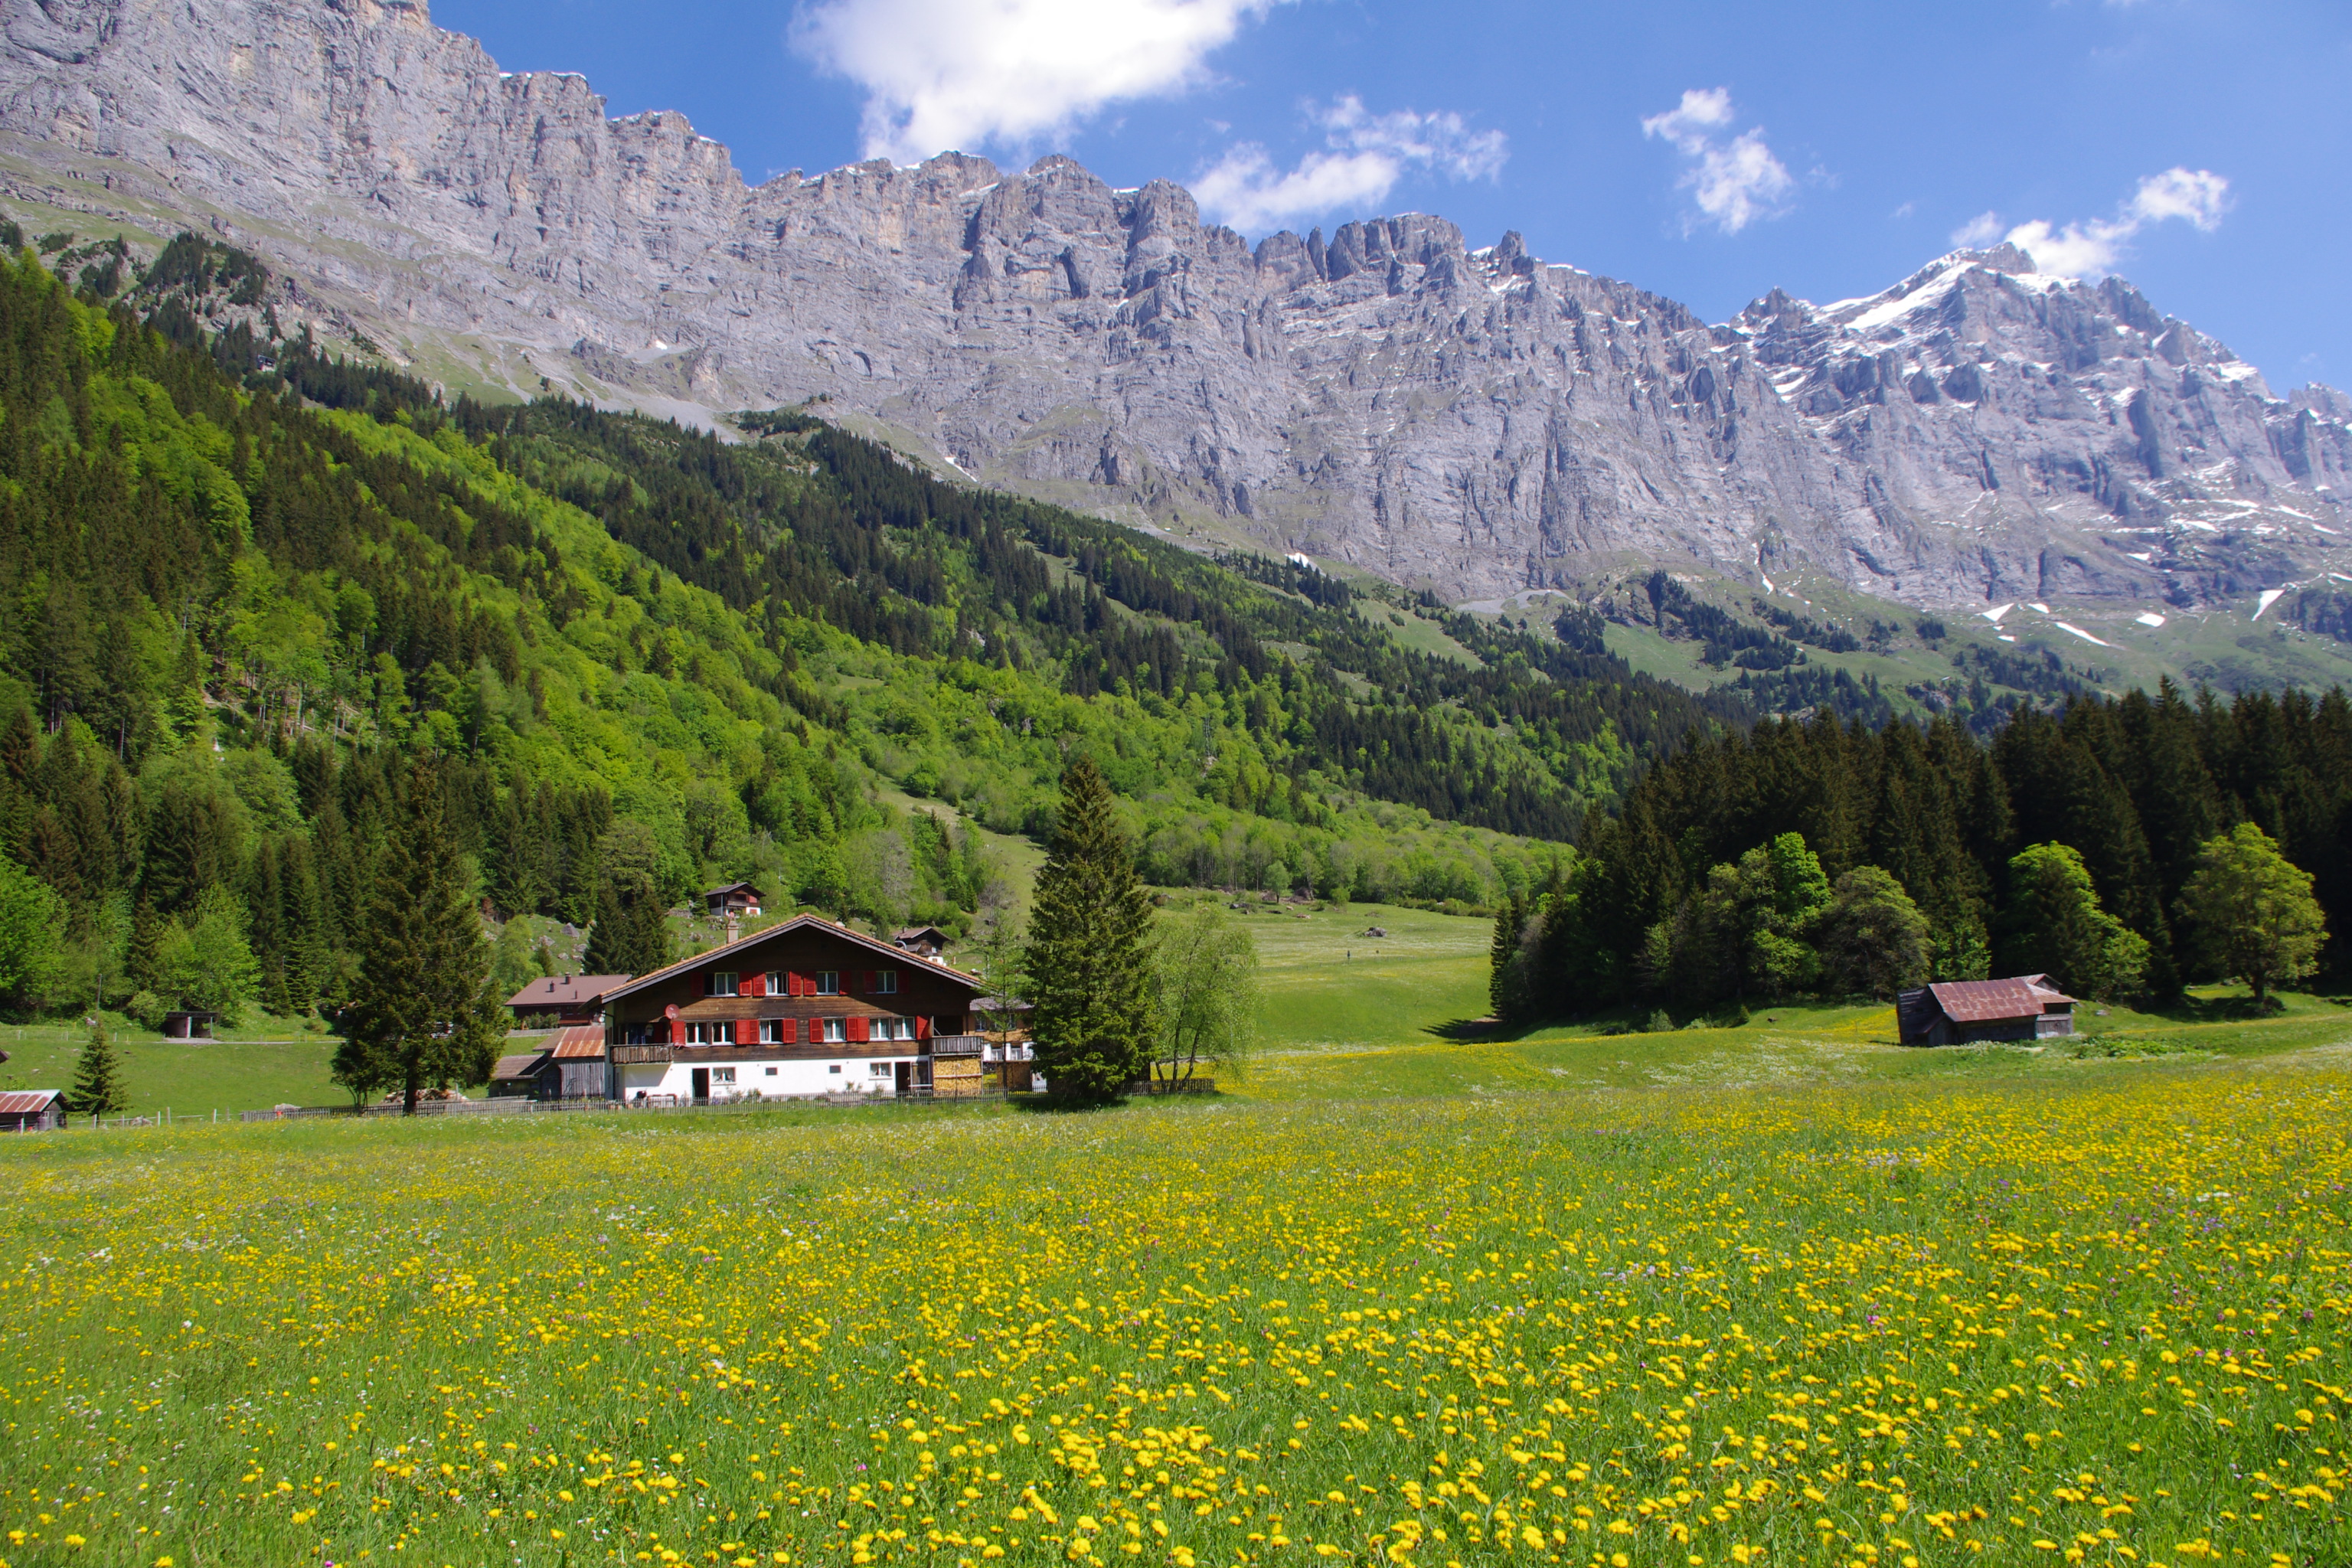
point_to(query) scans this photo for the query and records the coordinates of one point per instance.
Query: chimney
(734, 925)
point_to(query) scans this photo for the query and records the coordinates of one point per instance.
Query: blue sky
(1707, 152)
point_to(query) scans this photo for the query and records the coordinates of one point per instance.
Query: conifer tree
(421, 1016)
(1089, 960)
(98, 1088)
(139, 964)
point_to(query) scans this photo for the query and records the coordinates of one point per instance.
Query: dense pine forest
(1794, 857)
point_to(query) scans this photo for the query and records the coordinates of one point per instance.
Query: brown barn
(31, 1109)
(1953, 1012)
(806, 1007)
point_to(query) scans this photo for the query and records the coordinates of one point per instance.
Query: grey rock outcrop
(1474, 420)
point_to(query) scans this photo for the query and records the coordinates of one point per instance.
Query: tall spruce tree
(1089, 959)
(422, 1015)
(98, 1088)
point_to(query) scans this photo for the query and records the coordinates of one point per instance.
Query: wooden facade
(31, 1111)
(1958, 1012)
(808, 1007)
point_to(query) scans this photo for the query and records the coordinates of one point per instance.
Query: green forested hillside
(251, 580)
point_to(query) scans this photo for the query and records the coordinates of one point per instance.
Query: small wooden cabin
(929, 941)
(1954, 1011)
(31, 1111)
(192, 1025)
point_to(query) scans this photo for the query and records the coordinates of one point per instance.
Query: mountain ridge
(1386, 398)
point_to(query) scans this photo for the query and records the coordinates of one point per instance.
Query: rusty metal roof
(579, 1042)
(24, 1101)
(1989, 1001)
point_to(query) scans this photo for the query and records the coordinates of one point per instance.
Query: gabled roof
(24, 1101)
(798, 922)
(909, 933)
(514, 1069)
(1988, 1001)
(557, 992)
(732, 888)
(579, 1042)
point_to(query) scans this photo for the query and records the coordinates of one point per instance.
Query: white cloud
(2093, 248)
(1362, 157)
(1979, 231)
(1735, 181)
(943, 74)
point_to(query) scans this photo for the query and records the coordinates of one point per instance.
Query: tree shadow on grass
(2213, 1009)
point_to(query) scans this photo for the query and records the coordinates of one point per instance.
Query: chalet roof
(557, 992)
(909, 933)
(732, 888)
(24, 1101)
(578, 1043)
(514, 1068)
(1989, 1001)
(831, 928)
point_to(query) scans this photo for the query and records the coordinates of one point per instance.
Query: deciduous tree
(2054, 925)
(1207, 994)
(2253, 911)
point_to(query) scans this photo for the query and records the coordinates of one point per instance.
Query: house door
(701, 1085)
(906, 1077)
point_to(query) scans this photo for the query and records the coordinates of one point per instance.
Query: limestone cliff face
(1474, 420)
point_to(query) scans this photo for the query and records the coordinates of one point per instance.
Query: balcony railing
(634, 1056)
(958, 1045)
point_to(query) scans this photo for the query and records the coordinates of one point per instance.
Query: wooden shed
(31, 1111)
(192, 1025)
(1953, 1012)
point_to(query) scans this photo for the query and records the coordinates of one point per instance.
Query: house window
(722, 1075)
(835, 1070)
(635, 1035)
(710, 1034)
(772, 1033)
(835, 1033)
(894, 1029)
(723, 982)
(828, 982)
(885, 983)
(882, 1070)
(773, 983)
(772, 1072)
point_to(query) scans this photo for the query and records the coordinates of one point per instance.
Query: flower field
(2102, 1321)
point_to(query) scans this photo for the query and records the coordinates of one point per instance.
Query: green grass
(268, 1061)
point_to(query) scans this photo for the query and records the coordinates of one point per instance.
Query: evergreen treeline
(1727, 873)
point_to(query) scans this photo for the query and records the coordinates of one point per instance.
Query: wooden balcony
(958, 1045)
(635, 1056)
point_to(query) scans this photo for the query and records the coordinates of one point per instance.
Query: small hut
(1954, 1011)
(191, 1025)
(31, 1111)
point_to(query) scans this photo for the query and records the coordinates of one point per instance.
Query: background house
(1952, 1012)
(563, 1000)
(734, 901)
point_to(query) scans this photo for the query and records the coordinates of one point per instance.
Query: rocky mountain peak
(1478, 422)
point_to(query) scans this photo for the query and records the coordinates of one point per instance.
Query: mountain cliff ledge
(1472, 420)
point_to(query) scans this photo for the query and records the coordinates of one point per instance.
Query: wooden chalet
(804, 1008)
(564, 1000)
(929, 941)
(1954, 1011)
(732, 901)
(31, 1111)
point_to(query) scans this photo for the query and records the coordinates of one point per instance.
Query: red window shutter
(745, 1032)
(857, 1030)
(788, 1031)
(796, 984)
(922, 1026)
(755, 984)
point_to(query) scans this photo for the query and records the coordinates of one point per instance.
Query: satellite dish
(670, 1012)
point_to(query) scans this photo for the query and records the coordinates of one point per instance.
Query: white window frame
(723, 982)
(833, 1031)
(885, 983)
(772, 1033)
(772, 983)
(894, 1029)
(828, 982)
(722, 1075)
(883, 1070)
